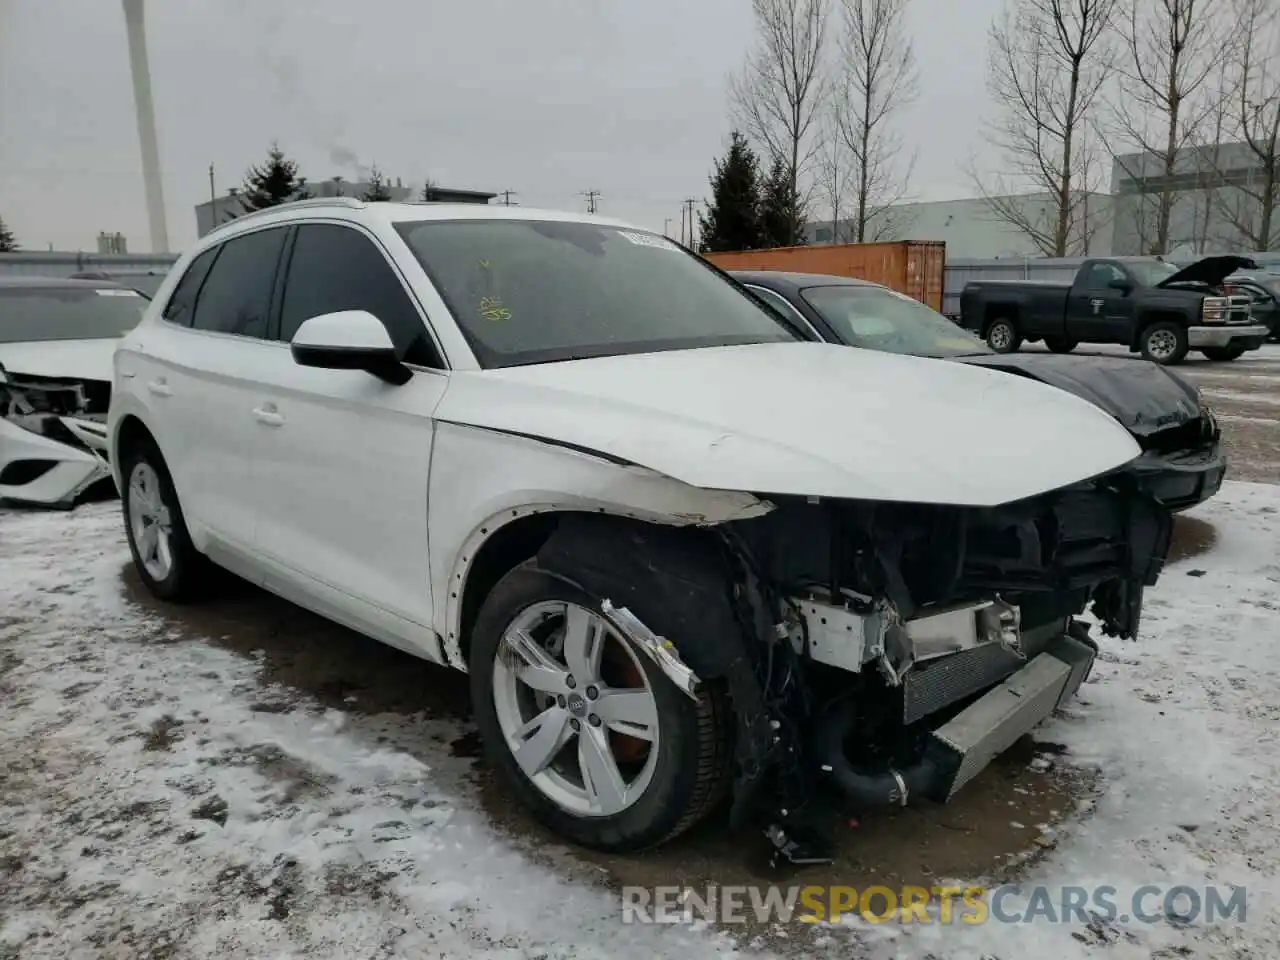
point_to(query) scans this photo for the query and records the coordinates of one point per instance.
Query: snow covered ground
(157, 801)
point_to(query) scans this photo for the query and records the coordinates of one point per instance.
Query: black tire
(1223, 354)
(691, 773)
(1002, 335)
(1060, 346)
(189, 570)
(1163, 342)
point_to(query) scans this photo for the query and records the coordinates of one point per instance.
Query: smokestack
(136, 30)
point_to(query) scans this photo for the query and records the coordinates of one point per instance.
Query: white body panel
(764, 418)
(74, 359)
(367, 502)
(74, 472)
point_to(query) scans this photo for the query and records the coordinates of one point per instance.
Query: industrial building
(1214, 210)
(214, 213)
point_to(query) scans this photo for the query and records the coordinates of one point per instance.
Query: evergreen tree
(379, 187)
(272, 183)
(781, 211)
(8, 243)
(732, 218)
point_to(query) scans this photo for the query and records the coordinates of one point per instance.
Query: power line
(592, 196)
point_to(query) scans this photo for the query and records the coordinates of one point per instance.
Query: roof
(56, 283)
(405, 211)
(779, 279)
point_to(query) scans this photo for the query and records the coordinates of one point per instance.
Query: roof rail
(350, 203)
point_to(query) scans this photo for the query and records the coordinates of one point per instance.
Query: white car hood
(807, 419)
(74, 359)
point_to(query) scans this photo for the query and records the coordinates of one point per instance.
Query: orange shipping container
(913, 267)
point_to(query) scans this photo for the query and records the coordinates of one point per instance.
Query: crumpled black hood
(1145, 398)
(1211, 271)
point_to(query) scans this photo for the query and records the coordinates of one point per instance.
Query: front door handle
(160, 388)
(268, 414)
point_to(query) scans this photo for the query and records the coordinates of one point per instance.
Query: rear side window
(335, 268)
(181, 306)
(236, 296)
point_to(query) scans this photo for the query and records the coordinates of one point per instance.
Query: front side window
(1102, 274)
(526, 291)
(236, 295)
(1152, 272)
(880, 319)
(32, 313)
(336, 268)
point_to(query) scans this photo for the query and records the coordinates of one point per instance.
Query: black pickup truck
(1145, 303)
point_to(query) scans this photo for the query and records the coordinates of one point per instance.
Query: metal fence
(39, 263)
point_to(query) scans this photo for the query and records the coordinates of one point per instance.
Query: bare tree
(1255, 117)
(834, 173)
(777, 97)
(877, 78)
(1047, 63)
(1171, 49)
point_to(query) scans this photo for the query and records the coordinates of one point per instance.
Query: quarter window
(335, 268)
(236, 295)
(182, 303)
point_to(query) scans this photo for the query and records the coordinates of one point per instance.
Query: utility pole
(689, 202)
(506, 196)
(213, 197)
(592, 196)
(666, 227)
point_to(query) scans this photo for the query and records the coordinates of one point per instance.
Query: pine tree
(272, 183)
(732, 218)
(781, 211)
(379, 187)
(8, 243)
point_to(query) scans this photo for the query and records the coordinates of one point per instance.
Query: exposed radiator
(930, 686)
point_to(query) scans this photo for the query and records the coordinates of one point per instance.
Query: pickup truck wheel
(1164, 343)
(1061, 346)
(1003, 336)
(588, 732)
(1223, 354)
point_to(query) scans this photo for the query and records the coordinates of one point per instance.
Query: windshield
(67, 313)
(1151, 272)
(881, 319)
(527, 291)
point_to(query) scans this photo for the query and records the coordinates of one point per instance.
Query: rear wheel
(166, 561)
(1223, 354)
(1164, 342)
(1061, 346)
(1003, 336)
(589, 733)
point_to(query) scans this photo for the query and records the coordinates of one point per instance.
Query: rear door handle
(268, 414)
(160, 388)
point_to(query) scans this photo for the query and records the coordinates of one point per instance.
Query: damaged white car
(573, 459)
(56, 341)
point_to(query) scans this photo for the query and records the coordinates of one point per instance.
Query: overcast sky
(548, 98)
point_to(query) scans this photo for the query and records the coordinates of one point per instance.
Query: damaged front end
(53, 438)
(889, 649)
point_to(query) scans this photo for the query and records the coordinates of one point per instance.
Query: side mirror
(349, 340)
(1124, 286)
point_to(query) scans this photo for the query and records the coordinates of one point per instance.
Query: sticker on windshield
(104, 292)
(492, 308)
(648, 240)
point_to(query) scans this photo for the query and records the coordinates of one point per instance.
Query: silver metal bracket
(658, 649)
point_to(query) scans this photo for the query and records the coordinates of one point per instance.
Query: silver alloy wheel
(1162, 344)
(149, 522)
(557, 712)
(1000, 335)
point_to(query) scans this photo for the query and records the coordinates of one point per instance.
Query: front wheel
(166, 560)
(1061, 346)
(1003, 336)
(1164, 342)
(1223, 354)
(589, 733)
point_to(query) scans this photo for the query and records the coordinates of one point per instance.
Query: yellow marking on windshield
(492, 308)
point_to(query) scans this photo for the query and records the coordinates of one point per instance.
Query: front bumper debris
(1183, 479)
